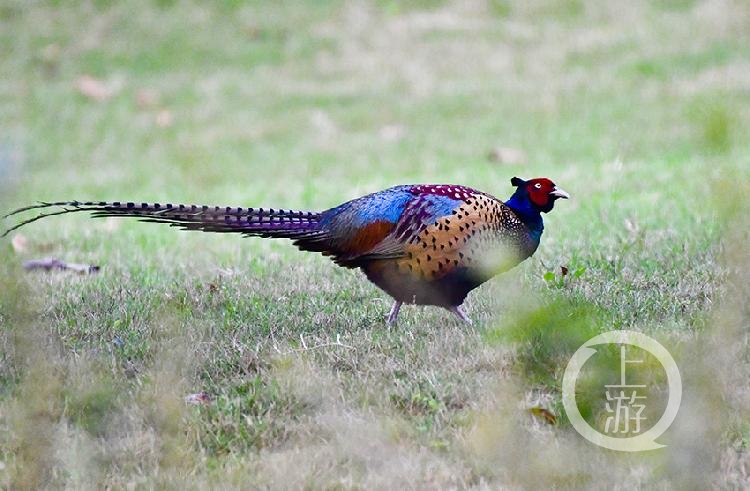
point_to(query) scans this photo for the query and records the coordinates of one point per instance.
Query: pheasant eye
(538, 185)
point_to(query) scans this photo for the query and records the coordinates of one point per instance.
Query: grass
(639, 112)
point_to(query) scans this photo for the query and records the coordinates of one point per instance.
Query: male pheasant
(422, 244)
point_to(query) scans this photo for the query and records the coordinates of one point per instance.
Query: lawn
(640, 110)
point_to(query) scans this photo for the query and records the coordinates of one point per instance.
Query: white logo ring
(644, 441)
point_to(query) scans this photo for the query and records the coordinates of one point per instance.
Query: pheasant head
(531, 199)
(534, 196)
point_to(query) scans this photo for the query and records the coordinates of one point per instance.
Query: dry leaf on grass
(164, 118)
(507, 156)
(51, 53)
(146, 98)
(543, 414)
(392, 132)
(323, 123)
(20, 243)
(93, 88)
(199, 398)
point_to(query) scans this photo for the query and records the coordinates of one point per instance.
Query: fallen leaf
(323, 123)
(51, 53)
(199, 398)
(543, 414)
(93, 88)
(146, 98)
(50, 57)
(164, 118)
(392, 132)
(507, 156)
(20, 243)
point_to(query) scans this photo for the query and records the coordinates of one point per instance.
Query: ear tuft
(517, 182)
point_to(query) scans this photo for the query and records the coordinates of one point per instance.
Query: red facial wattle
(539, 191)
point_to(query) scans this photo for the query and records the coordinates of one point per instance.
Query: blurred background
(639, 109)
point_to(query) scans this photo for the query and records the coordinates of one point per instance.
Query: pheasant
(422, 244)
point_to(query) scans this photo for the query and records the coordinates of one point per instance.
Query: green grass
(639, 112)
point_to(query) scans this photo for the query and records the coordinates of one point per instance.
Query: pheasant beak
(559, 193)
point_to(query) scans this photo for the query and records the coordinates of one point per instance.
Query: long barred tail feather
(301, 226)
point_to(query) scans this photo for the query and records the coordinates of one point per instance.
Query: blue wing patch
(387, 205)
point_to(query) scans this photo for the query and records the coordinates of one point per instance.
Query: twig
(305, 347)
(51, 263)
